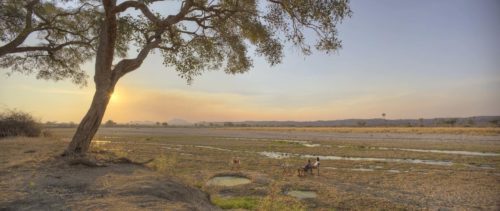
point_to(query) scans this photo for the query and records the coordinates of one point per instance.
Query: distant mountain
(179, 122)
(476, 121)
(142, 123)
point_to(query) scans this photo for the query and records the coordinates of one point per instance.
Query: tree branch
(128, 65)
(48, 48)
(21, 37)
(137, 5)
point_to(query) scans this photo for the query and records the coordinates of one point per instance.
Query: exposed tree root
(85, 161)
(128, 161)
(92, 163)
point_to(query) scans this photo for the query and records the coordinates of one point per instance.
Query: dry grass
(275, 200)
(164, 163)
(464, 185)
(416, 130)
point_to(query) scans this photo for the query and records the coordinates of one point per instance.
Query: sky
(408, 59)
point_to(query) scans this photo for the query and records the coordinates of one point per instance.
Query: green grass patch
(245, 202)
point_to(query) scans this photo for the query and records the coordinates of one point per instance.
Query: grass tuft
(245, 202)
(164, 163)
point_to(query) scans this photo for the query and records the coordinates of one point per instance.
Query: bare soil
(185, 159)
(34, 177)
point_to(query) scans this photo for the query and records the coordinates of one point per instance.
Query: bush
(18, 123)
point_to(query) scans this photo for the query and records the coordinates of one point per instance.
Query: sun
(114, 97)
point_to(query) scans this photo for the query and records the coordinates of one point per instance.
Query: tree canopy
(49, 38)
(53, 38)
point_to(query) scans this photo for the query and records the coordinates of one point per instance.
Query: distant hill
(179, 122)
(476, 121)
(142, 123)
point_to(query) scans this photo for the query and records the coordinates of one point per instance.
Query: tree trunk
(105, 81)
(90, 123)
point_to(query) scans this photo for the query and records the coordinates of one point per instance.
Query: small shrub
(18, 123)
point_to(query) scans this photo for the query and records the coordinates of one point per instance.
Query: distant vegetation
(478, 121)
(18, 123)
(110, 123)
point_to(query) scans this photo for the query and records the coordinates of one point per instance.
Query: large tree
(201, 35)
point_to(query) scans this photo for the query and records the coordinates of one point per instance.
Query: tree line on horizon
(479, 121)
(19, 123)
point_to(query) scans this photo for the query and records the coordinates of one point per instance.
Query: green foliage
(18, 123)
(65, 37)
(203, 35)
(219, 38)
(245, 202)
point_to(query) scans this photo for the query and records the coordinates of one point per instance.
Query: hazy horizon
(408, 59)
(317, 120)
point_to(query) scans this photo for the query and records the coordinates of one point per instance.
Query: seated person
(305, 169)
(316, 164)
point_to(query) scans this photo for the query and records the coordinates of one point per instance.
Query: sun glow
(114, 97)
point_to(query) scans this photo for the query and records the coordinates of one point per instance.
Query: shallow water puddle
(275, 155)
(228, 181)
(302, 194)
(303, 143)
(361, 169)
(215, 148)
(239, 138)
(281, 155)
(443, 151)
(311, 145)
(111, 137)
(395, 160)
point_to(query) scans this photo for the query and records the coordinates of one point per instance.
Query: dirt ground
(360, 170)
(33, 177)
